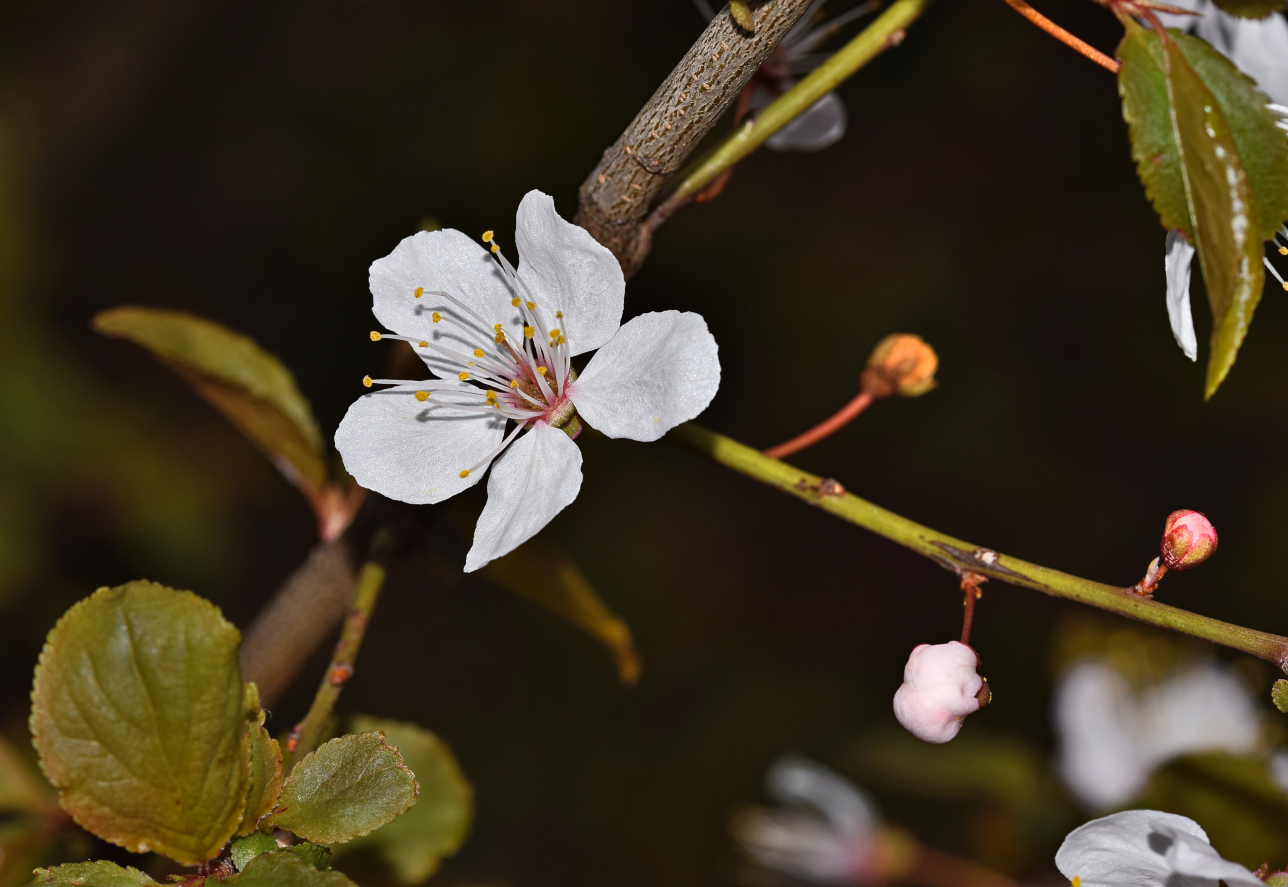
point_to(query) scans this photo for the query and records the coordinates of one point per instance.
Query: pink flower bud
(940, 687)
(1188, 540)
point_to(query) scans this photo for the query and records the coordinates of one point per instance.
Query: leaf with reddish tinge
(251, 387)
(140, 718)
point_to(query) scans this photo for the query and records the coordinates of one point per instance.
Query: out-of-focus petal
(819, 126)
(1206, 707)
(660, 369)
(534, 480)
(1177, 261)
(793, 779)
(568, 270)
(1103, 758)
(411, 451)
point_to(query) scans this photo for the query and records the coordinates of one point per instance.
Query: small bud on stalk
(1188, 540)
(900, 364)
(940, 687)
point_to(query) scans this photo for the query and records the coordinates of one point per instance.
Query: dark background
(247, 162)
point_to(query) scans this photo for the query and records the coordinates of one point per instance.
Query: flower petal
(819, 126)
(536, 479)
(793, 779)
(449, 261)
(568, 270)
(1127, 850)
(660, 369)
(1260, 50)
(1177, 264)
(414, 452)
(1103, 758)
(1193, 857)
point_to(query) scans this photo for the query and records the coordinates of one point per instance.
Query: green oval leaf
(246, 848)
(549, 577)
(349, 787)
(265, 776)
(414, 844)
(252, 388)
(1214, 165)
(285, 869)
(140, 717)
(93, 874)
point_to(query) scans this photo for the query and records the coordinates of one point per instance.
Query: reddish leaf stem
(1064, 36)
(970, 588)
(826, 428)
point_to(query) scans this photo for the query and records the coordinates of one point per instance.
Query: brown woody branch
(616, 197)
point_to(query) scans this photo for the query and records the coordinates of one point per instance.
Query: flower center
(522, 375)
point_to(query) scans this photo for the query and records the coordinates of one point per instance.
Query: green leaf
(316, 855)
(415, 843)
(349, 787)
(285, 869)
(1213, 164)
(22, 790)
(1250, 8)
(1233, 796)
(93, 874)
(1279, 695)
(244, 849)
(265, 776)
(252, 388)
(140, 717)
(549, 577)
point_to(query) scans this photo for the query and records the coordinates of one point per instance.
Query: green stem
(956, 555)
(308, 732)
(885, 31)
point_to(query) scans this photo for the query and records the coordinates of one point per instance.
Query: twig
(959, 556)
(304, 738)
(617, 194)
(886, 31)
(1064, 36)
(844, 416)
(308, 607)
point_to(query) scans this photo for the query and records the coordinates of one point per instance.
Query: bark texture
(616, 197)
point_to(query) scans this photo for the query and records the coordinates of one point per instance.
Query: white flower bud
(940, 687)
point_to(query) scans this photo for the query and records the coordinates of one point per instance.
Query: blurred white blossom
(1145, 848)
(1112, 738)
(825, 832)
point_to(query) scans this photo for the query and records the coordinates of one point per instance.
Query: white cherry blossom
(1112, 739)
(1146, 848)
(501, 342)
(825, 832)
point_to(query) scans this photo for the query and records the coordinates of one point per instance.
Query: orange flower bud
(900, 364)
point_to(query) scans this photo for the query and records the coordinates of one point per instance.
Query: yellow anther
(559, 315)
(500, 337)
(527, 332)
(541, 370)
(366, 381)
(514, 383)
(424, 343)
(490, 397)
(478, 352)
(487, 236)
(422, 396)
(1077, 882)
(436, 317)
(1283, 250)
(375, 336)
(462, 376)
(495, 248)
(515, 301)
(465, 473)
(420, 291)
(554, 334)
(1286, 285)
(532, 306)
